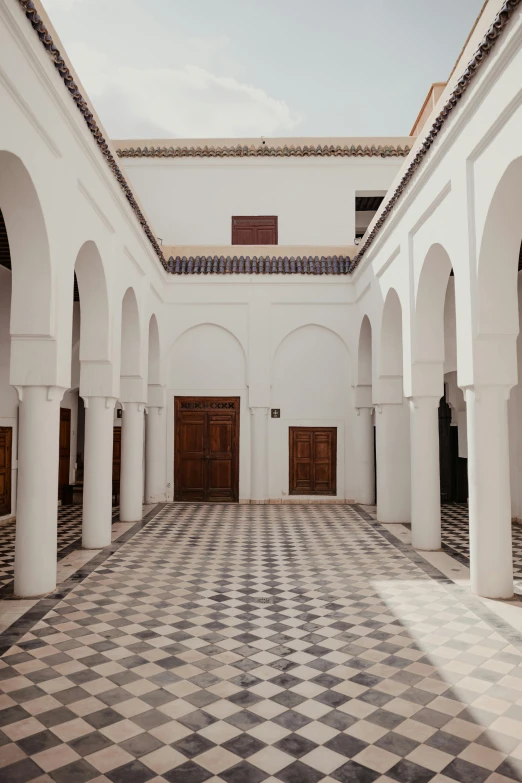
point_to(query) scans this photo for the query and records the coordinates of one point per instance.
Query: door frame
(178, 399)
(9, 468)
(314, 493)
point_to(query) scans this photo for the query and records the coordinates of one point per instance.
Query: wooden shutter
(254, 230)
(313, 461)
(6, 434)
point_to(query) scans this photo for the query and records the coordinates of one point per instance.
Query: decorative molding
(264, 151)
(133, 260)
(485, 47)
(83, 106)
(92, 203)
(219, 265)
(22, 104)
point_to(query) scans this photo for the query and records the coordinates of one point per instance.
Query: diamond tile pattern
(165, 664)
(455, 535)
(69, 533)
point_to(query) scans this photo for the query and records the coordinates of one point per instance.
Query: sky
(235, 68)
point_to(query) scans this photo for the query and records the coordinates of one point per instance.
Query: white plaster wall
(193, 201)
(8, 396)
(311, 386)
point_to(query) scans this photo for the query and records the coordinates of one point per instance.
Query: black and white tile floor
(69, 537)
(262, 643)
(455, 536)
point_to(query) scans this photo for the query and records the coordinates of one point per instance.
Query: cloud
(183, 101)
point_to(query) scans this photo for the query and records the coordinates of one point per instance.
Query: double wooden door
(5, 470)
(313, 461)
(206, 449)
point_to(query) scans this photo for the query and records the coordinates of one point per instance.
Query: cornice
(259, 265)
(485, 47)
(263, 151)
(46, 39)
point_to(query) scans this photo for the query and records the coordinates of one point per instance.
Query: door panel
(6, 434)
(65, 452)
(254, 230)
(206, 462)
(313, 461)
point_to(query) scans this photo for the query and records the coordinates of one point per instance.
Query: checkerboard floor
(263, 643)
(455, 535)
(69, 532)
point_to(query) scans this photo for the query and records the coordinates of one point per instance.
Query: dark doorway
(453, 469)
(313, 461)
(6, 442)
(64, 463)
(116, 464)
(206, 449)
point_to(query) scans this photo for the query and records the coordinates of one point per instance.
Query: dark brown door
(6, 436)
(116, 463)
(65, 452)
(256, 230)
(313, 460)
(206, 461)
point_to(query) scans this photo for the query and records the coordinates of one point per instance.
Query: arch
(303, 326)
(311, 373)
(32, 298)
(94, 304)
(207, 356)
(130, 336)
(428, 326)
(497, 295)
(364, 354)
(154, 352)
(391, 355)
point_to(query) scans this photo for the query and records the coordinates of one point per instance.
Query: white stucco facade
(432, 301)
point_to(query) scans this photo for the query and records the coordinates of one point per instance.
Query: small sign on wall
(119, 413)
(276, 413)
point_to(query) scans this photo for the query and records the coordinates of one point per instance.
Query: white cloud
(185, 101)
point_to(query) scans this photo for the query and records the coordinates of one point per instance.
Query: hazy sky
(166, 68)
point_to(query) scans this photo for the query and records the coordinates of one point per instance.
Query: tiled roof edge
(259, 265)
(290, 151)
(82, 105)
(486, 45)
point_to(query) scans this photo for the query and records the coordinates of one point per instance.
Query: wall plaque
(276, 413)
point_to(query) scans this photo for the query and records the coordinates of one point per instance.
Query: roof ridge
(262, 150)
(46, 39)
(484, 48)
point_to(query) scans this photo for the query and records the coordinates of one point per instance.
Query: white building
(267, 303)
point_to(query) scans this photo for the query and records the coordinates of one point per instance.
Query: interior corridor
(261, 643)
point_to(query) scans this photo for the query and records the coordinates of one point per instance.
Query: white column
(259, 455)
(393, 463)
(155, 455)
(363, 436)
(425, 473)
(491, 555)
(131, 477)
(97, 480)
(37, 502)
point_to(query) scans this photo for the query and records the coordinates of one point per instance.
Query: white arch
(94, 304)
(303, 326)
(32, 297)
(364, 354)
(154, 352)
(206, 323)
(428, 320)
(130, 366)
(390, 343)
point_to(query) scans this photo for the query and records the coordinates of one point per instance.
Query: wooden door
(445, 457)
(313, 461)
(65, 452)
(254, 230)
(6, 440)
(116, 463)
(206, 448)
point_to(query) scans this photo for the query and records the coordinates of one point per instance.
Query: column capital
(259, 410)
(52, 392)
(110, 402)
(477, 389)
(424, 401)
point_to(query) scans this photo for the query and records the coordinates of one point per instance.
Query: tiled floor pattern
(69, 532)
(263, 643)
(455, 535)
